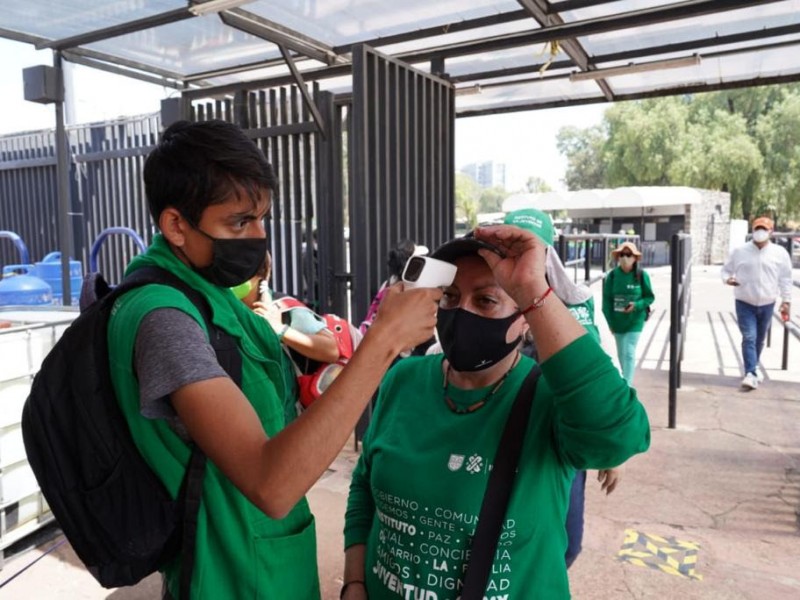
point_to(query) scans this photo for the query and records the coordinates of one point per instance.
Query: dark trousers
(575, 517)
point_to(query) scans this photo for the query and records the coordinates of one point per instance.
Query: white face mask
(626, 262)
(760, 235)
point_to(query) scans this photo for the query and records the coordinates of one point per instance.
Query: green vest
(240, 553)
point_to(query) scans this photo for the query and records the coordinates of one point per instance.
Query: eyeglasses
(627, 254)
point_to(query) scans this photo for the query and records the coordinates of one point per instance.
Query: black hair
(196, 165)
(398, 257)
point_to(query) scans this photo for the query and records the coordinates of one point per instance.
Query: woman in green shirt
(627, 296)
(419, 484)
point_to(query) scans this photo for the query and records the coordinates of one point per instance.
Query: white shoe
(750, 382)
(759, 376)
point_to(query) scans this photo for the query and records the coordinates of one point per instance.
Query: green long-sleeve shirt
(619, 290)
(418, 486)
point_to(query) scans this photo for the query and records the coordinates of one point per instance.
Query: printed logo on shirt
(456, 462)
(474, 464)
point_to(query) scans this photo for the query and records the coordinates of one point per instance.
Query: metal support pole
(587, 257)
(562, 248)
(62, 179)
(674, 326)
(785, 361)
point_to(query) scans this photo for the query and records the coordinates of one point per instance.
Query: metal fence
(106, 161)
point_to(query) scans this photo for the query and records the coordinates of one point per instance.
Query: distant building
(655, 213)
(488, 174)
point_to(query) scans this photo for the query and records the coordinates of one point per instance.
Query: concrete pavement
(710, 512)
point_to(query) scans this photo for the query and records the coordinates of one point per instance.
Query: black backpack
(116, 513)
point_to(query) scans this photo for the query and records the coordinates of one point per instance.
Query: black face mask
(472, 342)
(233, 261)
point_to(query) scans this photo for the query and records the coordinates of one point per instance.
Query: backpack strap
(498, 491)
(230, 360)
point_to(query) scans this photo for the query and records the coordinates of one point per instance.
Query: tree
(583, 149)
(779, 138)
(746, 142)
(537, 185)
(718, 153)
(491, 199)
(644, 138)
(467, 195)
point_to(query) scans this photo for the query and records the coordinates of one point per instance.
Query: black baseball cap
(463, 246)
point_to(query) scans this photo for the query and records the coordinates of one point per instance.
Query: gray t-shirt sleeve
(171, 351)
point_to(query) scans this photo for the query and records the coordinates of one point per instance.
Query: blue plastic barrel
(19, 287)
(49, 269)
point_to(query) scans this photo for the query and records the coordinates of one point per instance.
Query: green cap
(533, 220)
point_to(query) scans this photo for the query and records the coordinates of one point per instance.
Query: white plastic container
(26, 336)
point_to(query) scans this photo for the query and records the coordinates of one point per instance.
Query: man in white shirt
(760, 271)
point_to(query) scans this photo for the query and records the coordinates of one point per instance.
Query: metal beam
(279, 35)
(259, 64)
(18, 36)
(171, 16)
(649, 16)
(419, 34)
(309, 101)
(674, 91)
(311, 75)
(557, 7)
(697, 44)
(538, 9)
(130, 64)
(96, 64)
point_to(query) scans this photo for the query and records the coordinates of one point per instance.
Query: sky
(525, 142)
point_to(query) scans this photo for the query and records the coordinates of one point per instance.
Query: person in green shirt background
(417, 489)
(627, 296)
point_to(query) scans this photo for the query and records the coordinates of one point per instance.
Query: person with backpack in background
(396, 262)
(627, 296)
(209, 189)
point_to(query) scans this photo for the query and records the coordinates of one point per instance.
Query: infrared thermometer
(424, 271)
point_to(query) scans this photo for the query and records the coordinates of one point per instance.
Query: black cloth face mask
(233, 261)
(472, 342)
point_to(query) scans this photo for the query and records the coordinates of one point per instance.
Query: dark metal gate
(401, 169)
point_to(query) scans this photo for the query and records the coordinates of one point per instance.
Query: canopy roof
(502, 55)
(605, 199)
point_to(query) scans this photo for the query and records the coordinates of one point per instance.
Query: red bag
(313, 384)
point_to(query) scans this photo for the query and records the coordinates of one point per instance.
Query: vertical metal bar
(62, 154)
(673, 330)
(785, 361)
(286, 195)
(587, 260)
(297, 204)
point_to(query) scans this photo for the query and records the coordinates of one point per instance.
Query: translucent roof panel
(730, 68)
(496, 43)
(61, 19)
(753, 18)
(340, 22)
(546, 92)
(526, 56)
(190, 46)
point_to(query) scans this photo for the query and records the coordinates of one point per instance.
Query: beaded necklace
(480, 403)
